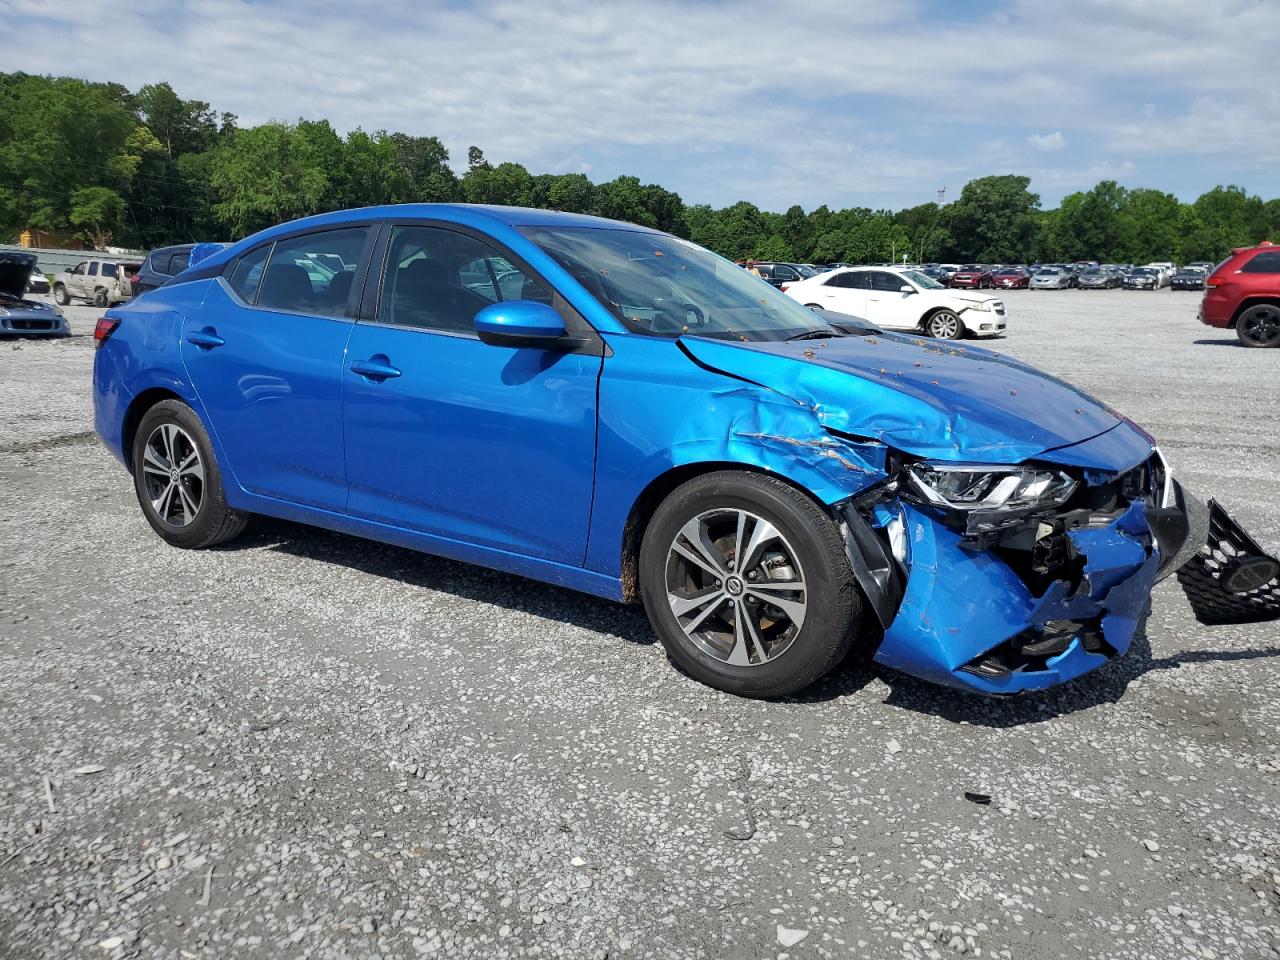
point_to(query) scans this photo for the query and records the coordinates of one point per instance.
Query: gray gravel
(305, 745)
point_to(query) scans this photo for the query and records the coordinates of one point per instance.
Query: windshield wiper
(818, 333)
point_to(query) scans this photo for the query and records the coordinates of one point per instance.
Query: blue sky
(852, 103)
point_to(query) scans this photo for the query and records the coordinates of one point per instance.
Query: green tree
(58, 136)
(98, 212)
(994, 219)
(507, 183)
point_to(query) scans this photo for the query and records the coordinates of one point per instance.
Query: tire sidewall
(60, 296)
(204, 529)
(827, 632)
(1245, 341)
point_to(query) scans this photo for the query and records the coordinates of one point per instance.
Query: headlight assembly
(981, 487)
(983, 305)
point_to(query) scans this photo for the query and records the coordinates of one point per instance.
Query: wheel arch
(659, 488)
(138, 408)
(1251, 301)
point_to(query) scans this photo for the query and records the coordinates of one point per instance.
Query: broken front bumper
(968, 620)
(976, 615)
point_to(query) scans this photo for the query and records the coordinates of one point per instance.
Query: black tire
(831, 603)
(100, 297)
(212, 522)
(1259, 326)
(60, 295)
(944, 325)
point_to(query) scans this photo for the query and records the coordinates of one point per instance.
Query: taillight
(1213, 282)
(783, 288)
(104, 328)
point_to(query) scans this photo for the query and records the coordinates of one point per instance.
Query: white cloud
(1048, 141)
(846, 103)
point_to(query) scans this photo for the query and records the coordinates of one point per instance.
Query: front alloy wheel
(747, 585)
(944, 325)
(1259, 326)
(736, 587)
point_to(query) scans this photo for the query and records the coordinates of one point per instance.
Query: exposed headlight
(979, 487)
(983, 305)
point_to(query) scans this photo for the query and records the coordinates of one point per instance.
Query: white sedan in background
(898, 299)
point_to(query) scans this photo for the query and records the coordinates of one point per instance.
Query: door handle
(205, 339)
(376, 368)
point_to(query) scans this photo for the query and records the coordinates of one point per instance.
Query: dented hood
(924, 397)
(15, 271)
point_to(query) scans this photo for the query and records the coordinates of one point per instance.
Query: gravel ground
(305, 745)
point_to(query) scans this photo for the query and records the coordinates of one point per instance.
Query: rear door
(844, 292)
(265, 354)
(446, 435)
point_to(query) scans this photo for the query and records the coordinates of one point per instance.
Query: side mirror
(906, 288)
(519, 323)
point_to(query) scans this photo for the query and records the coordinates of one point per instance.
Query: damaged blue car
(619, 411)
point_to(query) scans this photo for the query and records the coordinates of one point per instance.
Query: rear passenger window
(108, 269)
(313, 273)
(160, 263)
(1263, 263)
(438, 279)
(244, 274)
(179, 262)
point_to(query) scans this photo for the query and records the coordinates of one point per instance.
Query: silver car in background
(1050, 278)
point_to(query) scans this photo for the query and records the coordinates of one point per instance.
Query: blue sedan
(619, 411)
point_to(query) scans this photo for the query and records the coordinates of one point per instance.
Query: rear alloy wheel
(944, 325)
(60, 296)
(100, 297)
(746, 583)
(177, 480)
(1259, 326)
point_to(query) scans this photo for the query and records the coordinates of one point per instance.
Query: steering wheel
(671, 317)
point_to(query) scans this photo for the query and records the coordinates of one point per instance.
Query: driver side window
(887, 282)
(439, 279)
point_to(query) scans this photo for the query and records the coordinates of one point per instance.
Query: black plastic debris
(981, 798)
(1231, 579)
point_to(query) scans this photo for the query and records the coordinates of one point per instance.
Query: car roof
(465, 214)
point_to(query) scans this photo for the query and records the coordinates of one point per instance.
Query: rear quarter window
(1268, 262)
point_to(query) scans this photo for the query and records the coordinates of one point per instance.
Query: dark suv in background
(161, 264)
(1243, 293)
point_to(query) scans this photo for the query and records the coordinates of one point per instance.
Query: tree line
(148, 168)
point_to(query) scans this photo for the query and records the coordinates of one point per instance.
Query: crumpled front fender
(960, 604)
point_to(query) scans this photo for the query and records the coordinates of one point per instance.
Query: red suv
(1244, 292)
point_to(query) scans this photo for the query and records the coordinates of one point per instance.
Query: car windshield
(660, 285)
(1049, 272)
(923, 281)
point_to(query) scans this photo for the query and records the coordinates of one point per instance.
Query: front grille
(31, 324)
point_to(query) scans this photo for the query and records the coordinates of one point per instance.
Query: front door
(888, 304)
(449, 436)
(265, 355)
